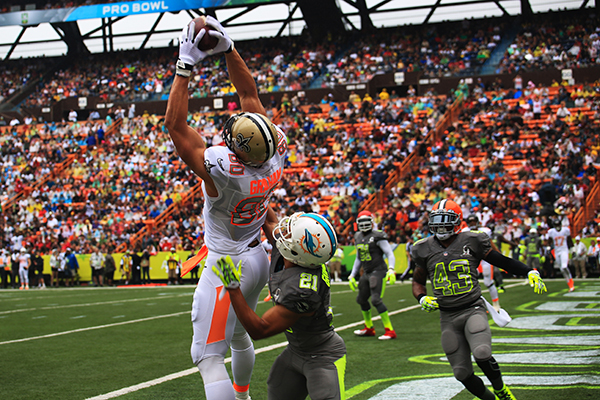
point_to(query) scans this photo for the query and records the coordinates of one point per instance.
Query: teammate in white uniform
(486, 267)
(24, 264)
(237, 184)
(560, 237)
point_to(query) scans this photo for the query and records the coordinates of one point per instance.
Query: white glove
(225, 44)
(189, 53)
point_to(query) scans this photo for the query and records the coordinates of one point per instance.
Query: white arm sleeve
(355, 267)
(387, 249)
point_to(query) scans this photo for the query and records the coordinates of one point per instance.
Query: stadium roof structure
(29, 30)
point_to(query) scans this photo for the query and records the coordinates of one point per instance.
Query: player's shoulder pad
(421, 246)
(281, 141)
(380, 235)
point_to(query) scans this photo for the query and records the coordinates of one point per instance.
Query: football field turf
(133, 343)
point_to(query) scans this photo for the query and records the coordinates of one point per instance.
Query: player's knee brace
(212, 370)
(241, 341)
(482, 352)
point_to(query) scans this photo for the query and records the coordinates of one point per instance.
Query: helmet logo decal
(309, 245)
(242, 143)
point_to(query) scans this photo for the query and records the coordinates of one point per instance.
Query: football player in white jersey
(486, 267)
(561, 238)
(237, 184)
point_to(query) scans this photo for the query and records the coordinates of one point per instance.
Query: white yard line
(92, 328)
(101, 303)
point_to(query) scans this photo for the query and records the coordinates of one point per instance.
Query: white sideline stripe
(101, 303)
(92, 328)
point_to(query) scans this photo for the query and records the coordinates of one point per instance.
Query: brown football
(208, 42)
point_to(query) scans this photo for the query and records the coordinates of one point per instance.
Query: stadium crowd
(508, 147)
(126, 77)
(286, 64)
(565, 40)
(340, 153)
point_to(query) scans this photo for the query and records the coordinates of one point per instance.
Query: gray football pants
(465, 332)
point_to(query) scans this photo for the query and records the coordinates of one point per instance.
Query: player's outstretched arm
(517, 268)
(244, 83)
(274, 321)
(190, 145)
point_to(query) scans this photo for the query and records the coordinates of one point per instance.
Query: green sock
(367, 317)
(385, 318)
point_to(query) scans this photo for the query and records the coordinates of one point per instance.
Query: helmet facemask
(444, 223)
(365, 223)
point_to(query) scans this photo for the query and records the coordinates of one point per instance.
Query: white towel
(500, 318)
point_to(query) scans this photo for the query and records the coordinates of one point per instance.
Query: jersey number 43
(454, 278)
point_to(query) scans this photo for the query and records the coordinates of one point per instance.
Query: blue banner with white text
(112, 10)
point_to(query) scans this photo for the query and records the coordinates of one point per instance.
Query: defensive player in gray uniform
(314, 362)
(450, 259)
(371, 245)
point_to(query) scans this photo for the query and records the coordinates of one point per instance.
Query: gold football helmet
(252, 137)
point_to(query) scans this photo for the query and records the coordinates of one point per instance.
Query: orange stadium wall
(422, 83)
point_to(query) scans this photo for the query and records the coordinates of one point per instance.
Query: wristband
(183, 69)
(420, 296)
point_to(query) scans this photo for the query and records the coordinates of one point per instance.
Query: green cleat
(504, 394)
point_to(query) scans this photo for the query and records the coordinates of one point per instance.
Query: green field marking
(577, 321)
(369, 384)
(446, 387)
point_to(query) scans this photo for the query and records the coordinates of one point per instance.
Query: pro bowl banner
(35, 17)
